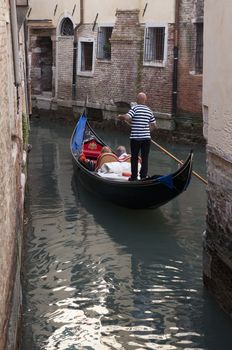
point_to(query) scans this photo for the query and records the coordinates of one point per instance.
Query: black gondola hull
(138, 194)
(149, 193)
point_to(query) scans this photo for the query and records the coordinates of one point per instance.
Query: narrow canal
(97, 276)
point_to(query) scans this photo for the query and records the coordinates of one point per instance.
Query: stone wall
(217, 241)
(11, 185)
(217, 108)
(42, 61)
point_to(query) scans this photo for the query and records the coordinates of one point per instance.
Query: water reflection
(152, 293)
(103, 277)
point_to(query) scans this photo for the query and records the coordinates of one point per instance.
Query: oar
(176, 159)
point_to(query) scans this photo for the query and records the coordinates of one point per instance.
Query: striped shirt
(141, 117)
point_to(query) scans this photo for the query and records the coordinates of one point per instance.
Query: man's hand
(153, 126)
(124, 117)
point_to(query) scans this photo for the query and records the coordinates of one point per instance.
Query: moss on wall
(25, 128)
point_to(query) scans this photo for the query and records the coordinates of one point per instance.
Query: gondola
(152, 192)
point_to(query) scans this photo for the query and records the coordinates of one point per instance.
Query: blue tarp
(79, 134)
(166, 180)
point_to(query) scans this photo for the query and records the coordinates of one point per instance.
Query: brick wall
(189, 83)
(11, 208)
(157, 81)
(65, 67)
(121, 78)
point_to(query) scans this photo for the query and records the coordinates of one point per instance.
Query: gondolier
(142, 121)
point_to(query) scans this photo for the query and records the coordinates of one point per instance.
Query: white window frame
(157, 25)
(79, 71)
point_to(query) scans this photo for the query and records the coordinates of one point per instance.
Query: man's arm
(125, 117)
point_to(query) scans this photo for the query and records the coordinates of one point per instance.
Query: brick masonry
(65, 67)
(119, 80)
(189, 83)
(11, 197)
(217, 259)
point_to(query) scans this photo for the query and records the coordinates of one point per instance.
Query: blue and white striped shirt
(141, 117)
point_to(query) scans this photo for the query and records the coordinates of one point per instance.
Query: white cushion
(116, 167)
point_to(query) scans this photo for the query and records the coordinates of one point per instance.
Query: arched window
(67, 27)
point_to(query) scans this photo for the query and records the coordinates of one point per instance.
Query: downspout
(75, 49)
(15, 43)
(176, 58)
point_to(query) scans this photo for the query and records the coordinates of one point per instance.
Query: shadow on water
(128, 227)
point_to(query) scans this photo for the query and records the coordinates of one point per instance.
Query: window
(199, 48)
(67, 27)
(154, 45)
(103, 43)
(85, 56)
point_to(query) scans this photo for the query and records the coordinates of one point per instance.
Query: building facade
(217, 108)
(13, 119)
(190, 68)
(109, 50)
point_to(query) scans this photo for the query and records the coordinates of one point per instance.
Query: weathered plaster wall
(44, 9)
(106, 9)
(11, 194)
(218, 130)
(217, 76)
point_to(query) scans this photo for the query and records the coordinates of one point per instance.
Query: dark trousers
(136, 146)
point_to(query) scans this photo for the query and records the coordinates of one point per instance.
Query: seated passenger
(105, 156)
(121, 153)
(105, 149)
(89, 164)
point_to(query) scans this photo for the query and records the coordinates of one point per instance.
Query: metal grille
(154, 44)
(103, 43)
(67, 27)
(199, 48)
(86, 56)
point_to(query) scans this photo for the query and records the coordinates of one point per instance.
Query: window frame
(156, 63)
(79, 56)
(64, 22)
(105, 25)
(199, 70)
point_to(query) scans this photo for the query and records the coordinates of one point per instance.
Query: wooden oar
(176, 159)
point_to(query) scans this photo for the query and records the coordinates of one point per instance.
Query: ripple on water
(103, 277)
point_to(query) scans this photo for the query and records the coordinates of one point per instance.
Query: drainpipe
(75, 48)
(176, 57)
(15, 43)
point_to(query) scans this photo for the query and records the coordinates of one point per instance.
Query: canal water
(98, 276)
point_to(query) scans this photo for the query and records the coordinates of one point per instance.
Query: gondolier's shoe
(132, 179)
(144, 178)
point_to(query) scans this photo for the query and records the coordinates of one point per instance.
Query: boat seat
(92, 149)
(105, 158)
